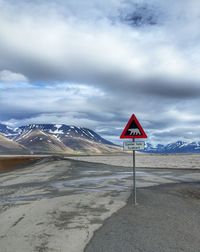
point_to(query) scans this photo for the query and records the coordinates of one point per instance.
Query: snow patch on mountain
(175, 147)
(58, 130)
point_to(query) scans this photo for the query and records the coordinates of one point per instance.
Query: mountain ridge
(8, 146)
(59, 138)
(73, 139)
(174, 147)
(61, 129)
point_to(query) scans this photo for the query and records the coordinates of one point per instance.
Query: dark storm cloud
(154, 124)
(172, 88)
(140, 14)
(17, 114)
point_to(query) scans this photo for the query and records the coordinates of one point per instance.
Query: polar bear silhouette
(134, 132)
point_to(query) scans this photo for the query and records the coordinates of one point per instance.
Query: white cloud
(8, 76)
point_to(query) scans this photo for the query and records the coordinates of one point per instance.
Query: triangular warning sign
(133, 129)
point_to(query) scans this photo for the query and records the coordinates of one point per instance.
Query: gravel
(166, 219)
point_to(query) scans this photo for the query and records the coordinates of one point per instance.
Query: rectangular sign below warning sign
(133, 146)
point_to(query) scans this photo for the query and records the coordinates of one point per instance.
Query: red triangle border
(133, 118)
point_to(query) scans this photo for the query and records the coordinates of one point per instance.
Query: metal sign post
(134, 178)
(133, 130)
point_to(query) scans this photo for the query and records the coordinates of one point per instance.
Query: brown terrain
(8, 146)
(38, 142)
(13, 162)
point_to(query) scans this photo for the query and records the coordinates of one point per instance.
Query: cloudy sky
(93, 63)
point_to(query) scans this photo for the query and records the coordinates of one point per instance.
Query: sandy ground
(147, 160)
(57, 204)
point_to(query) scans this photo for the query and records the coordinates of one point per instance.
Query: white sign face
(133, 146)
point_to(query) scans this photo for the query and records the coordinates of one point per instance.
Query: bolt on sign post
(133, 130)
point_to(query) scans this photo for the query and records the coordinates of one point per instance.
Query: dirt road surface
(56, 204)
(166, 219)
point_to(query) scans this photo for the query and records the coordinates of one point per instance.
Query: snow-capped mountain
(62, 130)
(71, 139)
(7, 131)
(41, 142)
(176, 147)
(59, 138)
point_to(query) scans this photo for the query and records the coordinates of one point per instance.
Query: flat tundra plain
(56, 203)
(179, 161)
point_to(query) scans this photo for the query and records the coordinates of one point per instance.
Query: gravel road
(166, 219)
(56, 204)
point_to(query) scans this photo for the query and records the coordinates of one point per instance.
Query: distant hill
(59, 138)
(176, 147)
(67, 139)
(8, 146)
(42, 142)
